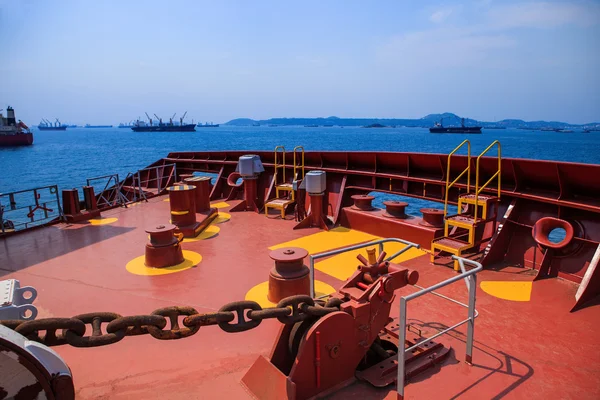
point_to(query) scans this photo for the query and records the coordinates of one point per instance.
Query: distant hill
(449, 119)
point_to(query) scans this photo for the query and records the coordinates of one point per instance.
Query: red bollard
(202, 192)
(362, 202)
(163, 249)
(89, 198)
(432, 217)
(395, 209)
(183, 177)
(183, 209)
(70, 200)
(289, 276)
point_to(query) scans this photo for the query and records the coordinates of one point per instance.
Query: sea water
(68, 158)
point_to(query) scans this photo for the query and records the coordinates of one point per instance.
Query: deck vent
(250, 166)
(315, 182)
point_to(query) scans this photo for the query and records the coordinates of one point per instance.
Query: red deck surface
(524, 350)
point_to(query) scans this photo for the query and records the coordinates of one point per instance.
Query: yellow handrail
(295, 164)
(467, 170)
(498, 173)
(282, 166)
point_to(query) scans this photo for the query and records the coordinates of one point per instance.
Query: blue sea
(68, 158)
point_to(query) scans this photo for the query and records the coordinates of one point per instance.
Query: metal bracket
(14, 304)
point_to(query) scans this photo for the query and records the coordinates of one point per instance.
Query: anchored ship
(151, 126)
(207, 125)
(97, 126)
(46, 125)
(13, 132)
(297, 285)
(440, 128)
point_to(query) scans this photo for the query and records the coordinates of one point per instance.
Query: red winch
(322, 354)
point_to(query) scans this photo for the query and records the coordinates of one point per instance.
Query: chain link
(234, 317)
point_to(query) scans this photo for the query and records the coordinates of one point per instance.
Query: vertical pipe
(401, 348)
(471, 324)
(380, 247)
(312, 277)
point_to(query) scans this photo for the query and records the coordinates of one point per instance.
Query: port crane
(181, 119)
(171, 119)
(159, 119)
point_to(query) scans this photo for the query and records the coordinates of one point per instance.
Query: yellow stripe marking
(222, 217)
(137, 266)
(220, 204)
(103, 221)
(209, 232)
(508, 290)
(179, 212)
(259, 293)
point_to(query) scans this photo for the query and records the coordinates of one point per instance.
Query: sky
(110, 61)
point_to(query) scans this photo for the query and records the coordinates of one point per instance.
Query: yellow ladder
(280, 202)
(464, 221)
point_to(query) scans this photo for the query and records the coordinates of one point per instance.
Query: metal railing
(497, 174)
(141, 183)
(467, 170)
(380, 242)
(471, 282)
(110, 194)
(46, 202)
(276, 165)
(299, 149)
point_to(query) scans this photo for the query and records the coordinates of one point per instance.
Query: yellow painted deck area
(508, 290)
(344, 265)
(327, 240)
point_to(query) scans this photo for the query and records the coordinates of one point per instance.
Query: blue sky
(109, 61)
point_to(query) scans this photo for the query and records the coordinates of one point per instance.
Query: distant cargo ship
(142, 126)
(46, 125)
(440, 128)
(128, 125)
(207, 125)
(97, 126)
(13, 133)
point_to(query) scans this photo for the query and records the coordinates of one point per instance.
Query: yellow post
(467, 170)
(496, 174)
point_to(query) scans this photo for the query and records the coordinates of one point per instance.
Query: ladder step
(450, 244)
(279, 203)
(481, 199)
(461, 220)
(285, 186)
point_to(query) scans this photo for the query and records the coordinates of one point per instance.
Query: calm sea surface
(68, 158)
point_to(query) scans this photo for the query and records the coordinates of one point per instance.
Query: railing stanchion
(401, 346)
(471, 324)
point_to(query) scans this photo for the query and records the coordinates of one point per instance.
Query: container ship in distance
(13, 132)
(440, 128)
(46, 125)
(152, 126)
(296, 285)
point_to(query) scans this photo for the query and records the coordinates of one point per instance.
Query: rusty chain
(234, 317)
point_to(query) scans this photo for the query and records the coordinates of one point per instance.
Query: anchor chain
(233, 317)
